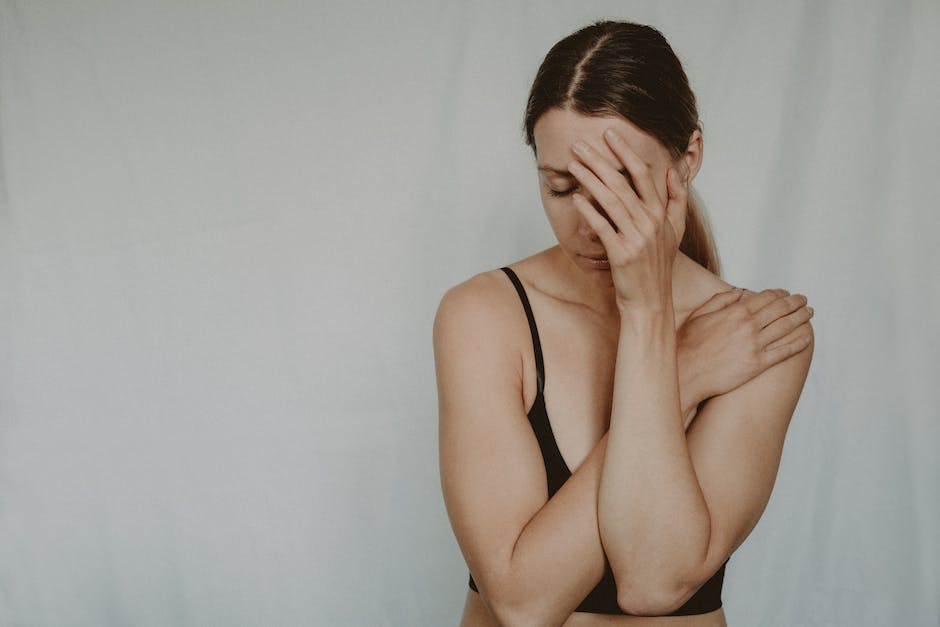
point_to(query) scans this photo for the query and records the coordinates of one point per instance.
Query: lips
(596, 257)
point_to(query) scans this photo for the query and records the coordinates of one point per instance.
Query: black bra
(603, 598)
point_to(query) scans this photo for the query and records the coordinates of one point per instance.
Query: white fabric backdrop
(226, 227)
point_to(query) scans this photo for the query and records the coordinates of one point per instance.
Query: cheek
(561, 212)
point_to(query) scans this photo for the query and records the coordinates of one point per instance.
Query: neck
(598, 292)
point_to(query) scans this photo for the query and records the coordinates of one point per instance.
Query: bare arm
(662, 528)
(734, 456)
(653, 518)
(534, 559)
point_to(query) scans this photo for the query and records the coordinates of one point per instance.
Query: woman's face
(555, 132)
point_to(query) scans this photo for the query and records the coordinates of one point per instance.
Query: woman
(669, 391)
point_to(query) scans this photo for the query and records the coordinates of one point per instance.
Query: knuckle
(628, 249)
(754, 361)
(650, 228)
(793, 328)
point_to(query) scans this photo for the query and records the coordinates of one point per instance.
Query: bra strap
(539, 364)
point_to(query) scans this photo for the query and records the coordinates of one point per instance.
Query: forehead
(557, 129)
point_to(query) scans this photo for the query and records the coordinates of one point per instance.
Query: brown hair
(626, 69)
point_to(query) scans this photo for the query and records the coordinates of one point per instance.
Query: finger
(779, 291)
(618, 212)
(677, 206)
(777, 308)
(782, 327)
(793, 343)
(718, 301)
(640, 171)
(620, 182)
(753, 302)
(601, 226)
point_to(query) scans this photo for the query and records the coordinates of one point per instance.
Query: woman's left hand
(641, 234)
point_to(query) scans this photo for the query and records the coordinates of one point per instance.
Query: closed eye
(568, 192)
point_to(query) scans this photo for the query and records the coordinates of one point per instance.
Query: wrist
(655, 303)
(648, 334)
(648, 316)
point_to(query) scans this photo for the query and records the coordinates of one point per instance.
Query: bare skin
(517, 544)
(579, 351)
(579, 348)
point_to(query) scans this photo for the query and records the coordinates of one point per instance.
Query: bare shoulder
(476, 335)
(796, 365)
(482, 284)
(703, 285)
(492, 474)
(706, 284)
(478, 303)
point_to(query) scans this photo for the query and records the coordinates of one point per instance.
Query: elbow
(510, 608)
(647, 601)
(635, 606)
(509, 614)
(517, 620)
(648, 606)
(517, 614)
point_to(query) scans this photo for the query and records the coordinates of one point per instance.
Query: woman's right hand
(734, 336)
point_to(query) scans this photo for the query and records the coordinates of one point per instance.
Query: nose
(587, 230)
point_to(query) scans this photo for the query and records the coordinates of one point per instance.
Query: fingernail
(610, 134)
(580, 147)
(810, 310)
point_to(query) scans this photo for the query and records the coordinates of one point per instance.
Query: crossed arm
(673, 506)
(711, 483)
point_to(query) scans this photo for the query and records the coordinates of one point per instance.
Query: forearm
(560, 550)
(690, 392)
(558, 558)
(652, 516)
